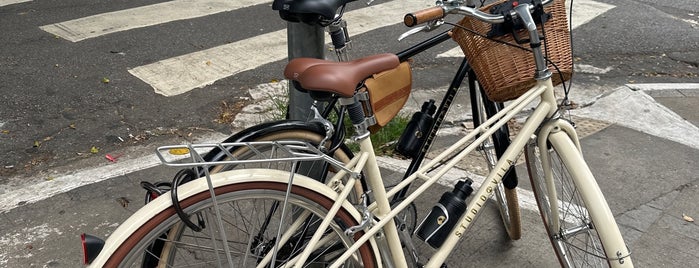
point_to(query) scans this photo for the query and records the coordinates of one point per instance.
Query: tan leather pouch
(388, 92)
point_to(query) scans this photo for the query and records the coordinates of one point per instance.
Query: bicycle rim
(252, 217)
(571, 230)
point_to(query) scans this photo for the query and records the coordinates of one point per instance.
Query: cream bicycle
(261, 217)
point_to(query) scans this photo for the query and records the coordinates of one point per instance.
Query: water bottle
(435, 228)
(416, 131)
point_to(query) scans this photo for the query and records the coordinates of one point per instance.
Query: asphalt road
(57, 106)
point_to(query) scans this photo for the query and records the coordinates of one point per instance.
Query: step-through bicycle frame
(542, 126)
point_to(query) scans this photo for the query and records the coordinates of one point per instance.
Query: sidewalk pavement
(649, 181)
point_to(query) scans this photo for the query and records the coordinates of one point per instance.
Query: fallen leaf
(105, 80)
(37, 144)
(208, 63)
(5, 132)
(94, 150)
(49, 178)
(48, 138)
(687, 218)
(72, 126)
(123, 201)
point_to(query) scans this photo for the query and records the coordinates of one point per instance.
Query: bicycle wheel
(251, 203)
(505, 197)
(575, 214)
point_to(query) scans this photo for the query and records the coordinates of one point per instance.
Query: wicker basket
(506, 72)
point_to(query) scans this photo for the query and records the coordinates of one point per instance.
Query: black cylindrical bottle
(416, 131)
(435, 228)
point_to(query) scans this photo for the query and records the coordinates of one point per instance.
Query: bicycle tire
(493, 148)
(238, 190)
(574, 233)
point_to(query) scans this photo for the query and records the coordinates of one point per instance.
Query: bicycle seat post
(340, 39)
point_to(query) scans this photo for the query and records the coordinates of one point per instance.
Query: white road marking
(586, 10)
(589, 69)
(29, 193)
(583, 12)
(181, 74)
(10, 2)
(13, 194)
(127, 19)
(664, 86)
(638, 111)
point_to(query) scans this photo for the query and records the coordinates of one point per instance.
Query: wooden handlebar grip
(422, 16)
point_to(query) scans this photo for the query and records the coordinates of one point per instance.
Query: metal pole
(303, 40)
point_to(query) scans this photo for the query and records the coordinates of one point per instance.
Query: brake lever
(425, 28)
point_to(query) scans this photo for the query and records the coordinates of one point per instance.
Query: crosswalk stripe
(583, 12)
(586, 10)
(106, 23)
(181, 74)
(10, 2)
(178, 75)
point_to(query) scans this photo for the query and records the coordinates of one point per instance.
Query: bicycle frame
(545, 109)
(541, 123)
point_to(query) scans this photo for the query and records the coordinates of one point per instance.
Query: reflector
(92, 246)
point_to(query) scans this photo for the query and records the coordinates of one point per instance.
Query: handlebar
(439, 12)
(425, 15)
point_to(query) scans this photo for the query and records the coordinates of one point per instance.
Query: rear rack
(192, 155)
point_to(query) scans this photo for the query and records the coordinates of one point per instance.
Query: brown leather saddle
(339, 78)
